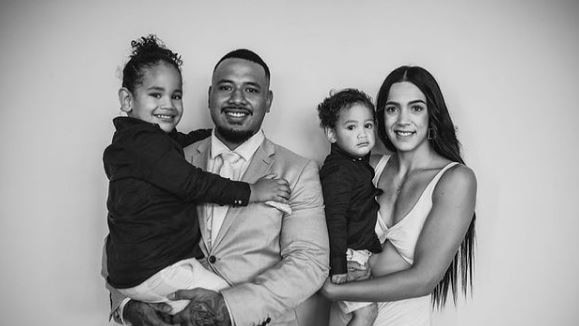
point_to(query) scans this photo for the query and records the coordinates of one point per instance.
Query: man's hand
(147, 314)
(206, 308)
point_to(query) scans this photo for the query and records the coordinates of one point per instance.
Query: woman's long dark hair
(445, 143)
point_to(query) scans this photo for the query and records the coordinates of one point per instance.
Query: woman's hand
(356, 272)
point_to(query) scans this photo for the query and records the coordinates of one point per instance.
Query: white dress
(403, 236)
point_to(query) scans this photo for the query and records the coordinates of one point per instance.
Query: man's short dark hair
(248, 55)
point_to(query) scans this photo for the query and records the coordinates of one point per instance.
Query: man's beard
(234, 136)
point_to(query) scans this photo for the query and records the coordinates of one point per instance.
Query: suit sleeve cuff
(228, 310)
(236, 300)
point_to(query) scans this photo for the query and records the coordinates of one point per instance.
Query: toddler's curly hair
(147, 52)
(329, 109)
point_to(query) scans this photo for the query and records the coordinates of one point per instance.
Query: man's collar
(245, 150)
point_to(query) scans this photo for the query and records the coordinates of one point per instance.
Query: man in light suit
(275, 257)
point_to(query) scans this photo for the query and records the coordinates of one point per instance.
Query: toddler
(349, 194)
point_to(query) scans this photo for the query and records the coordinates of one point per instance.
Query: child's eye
(350, 127)
(390, 109)
(178, 97)
(156, 95)
(369, 125)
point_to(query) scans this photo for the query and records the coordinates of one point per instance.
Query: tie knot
(230, 157)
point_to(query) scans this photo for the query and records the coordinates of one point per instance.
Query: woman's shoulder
(457, 178)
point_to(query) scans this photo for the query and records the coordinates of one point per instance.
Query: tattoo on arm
(217, 309)
(206, 308)
(201, 314)
(222, 314)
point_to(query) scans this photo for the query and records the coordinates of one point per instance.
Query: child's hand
(339, 278)
(267, 188)
(357, 272)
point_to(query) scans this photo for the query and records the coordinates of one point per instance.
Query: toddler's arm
(155, 158)
(336, 187)
(192, 137)
(264, 189)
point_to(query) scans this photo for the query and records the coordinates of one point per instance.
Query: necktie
(229, 165)
(229, 169)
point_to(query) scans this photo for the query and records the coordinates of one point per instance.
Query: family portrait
(276, 163)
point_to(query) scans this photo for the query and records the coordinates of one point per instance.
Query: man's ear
(209, 97)
(126, 100)
(331, 134)
(268, 100)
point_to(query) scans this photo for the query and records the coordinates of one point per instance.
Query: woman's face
(406, 117)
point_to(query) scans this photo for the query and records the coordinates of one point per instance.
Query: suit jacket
(274, 261)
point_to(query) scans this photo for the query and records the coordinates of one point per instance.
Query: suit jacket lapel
(200, 159)
(259, 166)
(260, 162)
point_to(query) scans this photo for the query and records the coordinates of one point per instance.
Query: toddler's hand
(270, 188)
(339, 278)
(357, 272)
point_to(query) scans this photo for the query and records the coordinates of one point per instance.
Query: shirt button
(212, 259)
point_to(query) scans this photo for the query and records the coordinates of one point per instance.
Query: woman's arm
(388, 261)
(443, 231)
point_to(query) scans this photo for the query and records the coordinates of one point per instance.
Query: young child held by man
(351, 210)
(154, 232)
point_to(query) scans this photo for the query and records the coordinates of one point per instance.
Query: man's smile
(236, 113)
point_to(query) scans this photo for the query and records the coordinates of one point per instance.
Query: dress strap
(437, 177)
(379, 168)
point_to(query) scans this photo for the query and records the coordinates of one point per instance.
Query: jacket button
(212, 259)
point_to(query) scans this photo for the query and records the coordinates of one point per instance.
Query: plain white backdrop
(508, 70)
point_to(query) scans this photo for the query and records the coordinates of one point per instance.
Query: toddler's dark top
(152, 194)
(350, 205)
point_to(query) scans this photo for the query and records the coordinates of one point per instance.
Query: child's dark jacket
(350, 205)
(152, 215)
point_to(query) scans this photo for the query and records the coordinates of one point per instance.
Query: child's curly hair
(329, 109)
(147, 52)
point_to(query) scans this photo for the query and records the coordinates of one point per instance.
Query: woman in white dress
(427, 217)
